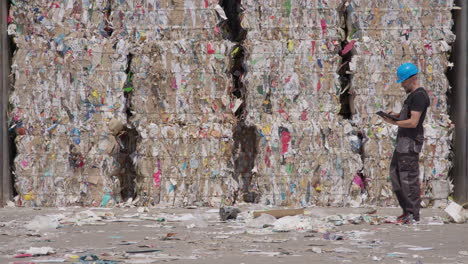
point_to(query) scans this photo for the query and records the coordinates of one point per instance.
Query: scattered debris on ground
(148, 235)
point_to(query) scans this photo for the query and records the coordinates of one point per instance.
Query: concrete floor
(199, 237)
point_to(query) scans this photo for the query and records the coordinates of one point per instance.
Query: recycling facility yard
(162, 234)
(186, 101)
(131, 122)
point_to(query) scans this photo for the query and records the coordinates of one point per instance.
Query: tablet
(383, 114)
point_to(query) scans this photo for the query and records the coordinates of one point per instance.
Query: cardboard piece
(280, 212)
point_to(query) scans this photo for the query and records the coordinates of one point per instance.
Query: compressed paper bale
(398, 4)
(391, 21)
(435, 144)
(284, 19)
(435, 169)
(185, 119)
(276, 89)
(293, 182)
(209, 189)
(270, 62)
(437, 32)
(196, 145)
(381, 194)
(431, 64)
(66, 17)
(280, 72)
(179, 89)
(440, 189)
(166, 20)
(64, 107)
(181, 85)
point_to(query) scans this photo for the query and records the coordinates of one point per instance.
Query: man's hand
(397, 115)
(408, 123)
(390, 121)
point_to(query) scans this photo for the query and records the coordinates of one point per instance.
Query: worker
(404, 167)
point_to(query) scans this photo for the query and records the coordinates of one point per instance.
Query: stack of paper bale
(305, 155)
(180, 99)
(83, 67)
(67, 103)
(386, 34)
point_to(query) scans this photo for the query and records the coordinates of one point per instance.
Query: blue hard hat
(405, 71)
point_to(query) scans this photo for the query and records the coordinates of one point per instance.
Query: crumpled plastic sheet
(384, 35)
(68, 89)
